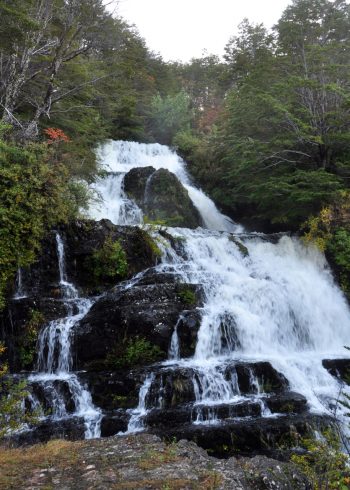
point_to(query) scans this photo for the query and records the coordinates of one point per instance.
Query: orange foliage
(55, 135)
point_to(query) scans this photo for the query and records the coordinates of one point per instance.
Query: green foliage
(28, 340)
(324, 464)
(169, 115)
(187, 295)
(109, 262)
(149, 240)
(12, 394)
(338, 248)
(279, 150)
(34, 196)
(134, 352)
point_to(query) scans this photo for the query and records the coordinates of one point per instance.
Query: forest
(264, 130)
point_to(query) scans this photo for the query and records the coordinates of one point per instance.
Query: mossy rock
(242, 248)
(162, 197)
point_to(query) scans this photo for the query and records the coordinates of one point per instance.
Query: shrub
(134, 352)
(187, 295)
(28, 340)
(324, 464)
(338, 249)
(35, 194)
(12, 394)
(109, 262)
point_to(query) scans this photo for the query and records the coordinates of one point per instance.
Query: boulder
(340, 368)
(289, 402)
(162, 197)
(257, 377)
(269, 436)
(135, 183)
(141, 318)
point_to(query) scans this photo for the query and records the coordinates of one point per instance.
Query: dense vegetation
(266, 131)
(71, 76)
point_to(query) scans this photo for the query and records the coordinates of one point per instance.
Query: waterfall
(278, 303)
(55, 360)
(174, 348)
(19, 291)
(119, 157)
(136, 422)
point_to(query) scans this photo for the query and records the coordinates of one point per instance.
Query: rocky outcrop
(340, 368)
(22, 319)
(144, 316)
(162, 197)
(142, 462)
(81, 239)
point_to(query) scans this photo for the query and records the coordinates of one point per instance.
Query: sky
(182, 29)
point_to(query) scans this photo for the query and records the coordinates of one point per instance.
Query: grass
(17, 465)
(154, 458)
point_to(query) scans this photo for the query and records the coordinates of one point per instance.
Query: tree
(282, 150)
(253, 45)
(60, 31)
(169, 115)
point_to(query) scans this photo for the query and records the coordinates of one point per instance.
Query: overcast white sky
(182, 29)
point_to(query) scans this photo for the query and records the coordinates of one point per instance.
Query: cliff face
(121, 343)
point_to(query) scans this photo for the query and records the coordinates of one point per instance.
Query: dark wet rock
(145, 462)
(81, 239)
(340, 368)
(189, 413)
(20, 319)
(241, 247)
(72, 429)
(114, 422)
(135, 182)
(140, 312)
(229, 411)
(257, 376)
(162, 197)
(257, 436)
(112, 390)
(47, 392)
(187, 330)
(153, 276)
(289, 402)
(171, 387)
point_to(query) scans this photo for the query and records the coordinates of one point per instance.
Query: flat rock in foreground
(139, 462)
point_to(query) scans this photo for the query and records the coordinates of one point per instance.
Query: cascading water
(20, 292)
(55, 360)
(119, 157)
(277, 303)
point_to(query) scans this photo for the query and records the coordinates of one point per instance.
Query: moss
(187, 295)
(338, 250)
(28, 340)
(151, 244)
(108, 263)
(121, 401)
(242, 248)
(134, 352)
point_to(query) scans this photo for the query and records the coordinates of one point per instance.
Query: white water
(20, 292)
(119, 157)
(55, 359)
(278, 304)
(136, 422)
